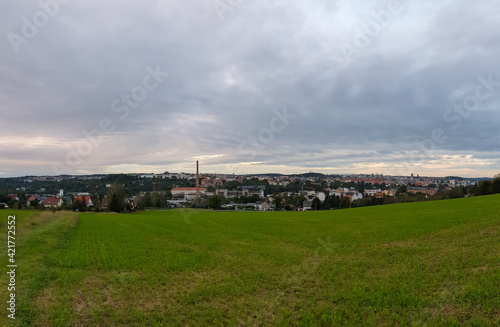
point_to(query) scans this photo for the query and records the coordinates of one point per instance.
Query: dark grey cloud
(227, 78)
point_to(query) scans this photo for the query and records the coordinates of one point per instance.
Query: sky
(337, 87)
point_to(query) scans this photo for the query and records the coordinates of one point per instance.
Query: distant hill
(311, 175)
(468, 179)
(266, 175)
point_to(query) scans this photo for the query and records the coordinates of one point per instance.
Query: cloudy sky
(390, 87)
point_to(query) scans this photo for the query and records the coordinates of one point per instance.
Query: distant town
(260, 192)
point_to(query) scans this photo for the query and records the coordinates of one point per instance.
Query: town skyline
(186, 173)
(260, 192)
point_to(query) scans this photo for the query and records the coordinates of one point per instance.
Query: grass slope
(417, 264)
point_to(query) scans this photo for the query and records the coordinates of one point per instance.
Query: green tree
(495, 187)
(401, 189)
(147, 200)
(233, 185)
(278, 203)
(164, 199)
(116, 197)
(345, 202)
(316, 204)
(404, 197)
(34, 203)
(457, 192)
(484, 187)
(115, 205)
(299, 200)
(331, 202)
(78, 205)
(335, 185)
(389, 200)
(214, 202)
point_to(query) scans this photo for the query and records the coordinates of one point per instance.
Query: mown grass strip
(39, 235)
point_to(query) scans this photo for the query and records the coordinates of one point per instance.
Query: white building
(189, 193)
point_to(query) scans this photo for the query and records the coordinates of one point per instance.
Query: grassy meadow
(417, 264)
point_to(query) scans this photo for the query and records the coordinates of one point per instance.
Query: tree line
(118, 194)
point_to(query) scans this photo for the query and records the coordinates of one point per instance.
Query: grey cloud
(225, 78)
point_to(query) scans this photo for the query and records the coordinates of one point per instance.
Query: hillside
(429, 263)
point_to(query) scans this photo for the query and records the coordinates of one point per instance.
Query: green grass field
(418, 264)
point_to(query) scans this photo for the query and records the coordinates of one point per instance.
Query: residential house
(34, 197)
(132, 202)
(375, 192)
(212, 182)
(225, 193)
(87, 200)
(351, 193)
(306, 205)
(243, 206)
(262, 206)
(231, 178)
(222, 192)
(53, 202)
(372, 192)
(354, 196)
(304, 193)
(423, 190)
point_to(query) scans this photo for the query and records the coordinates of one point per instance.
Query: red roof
(51, 201)
(84, 199)
(32, 198)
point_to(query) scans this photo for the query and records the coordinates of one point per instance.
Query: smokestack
(197, 182)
